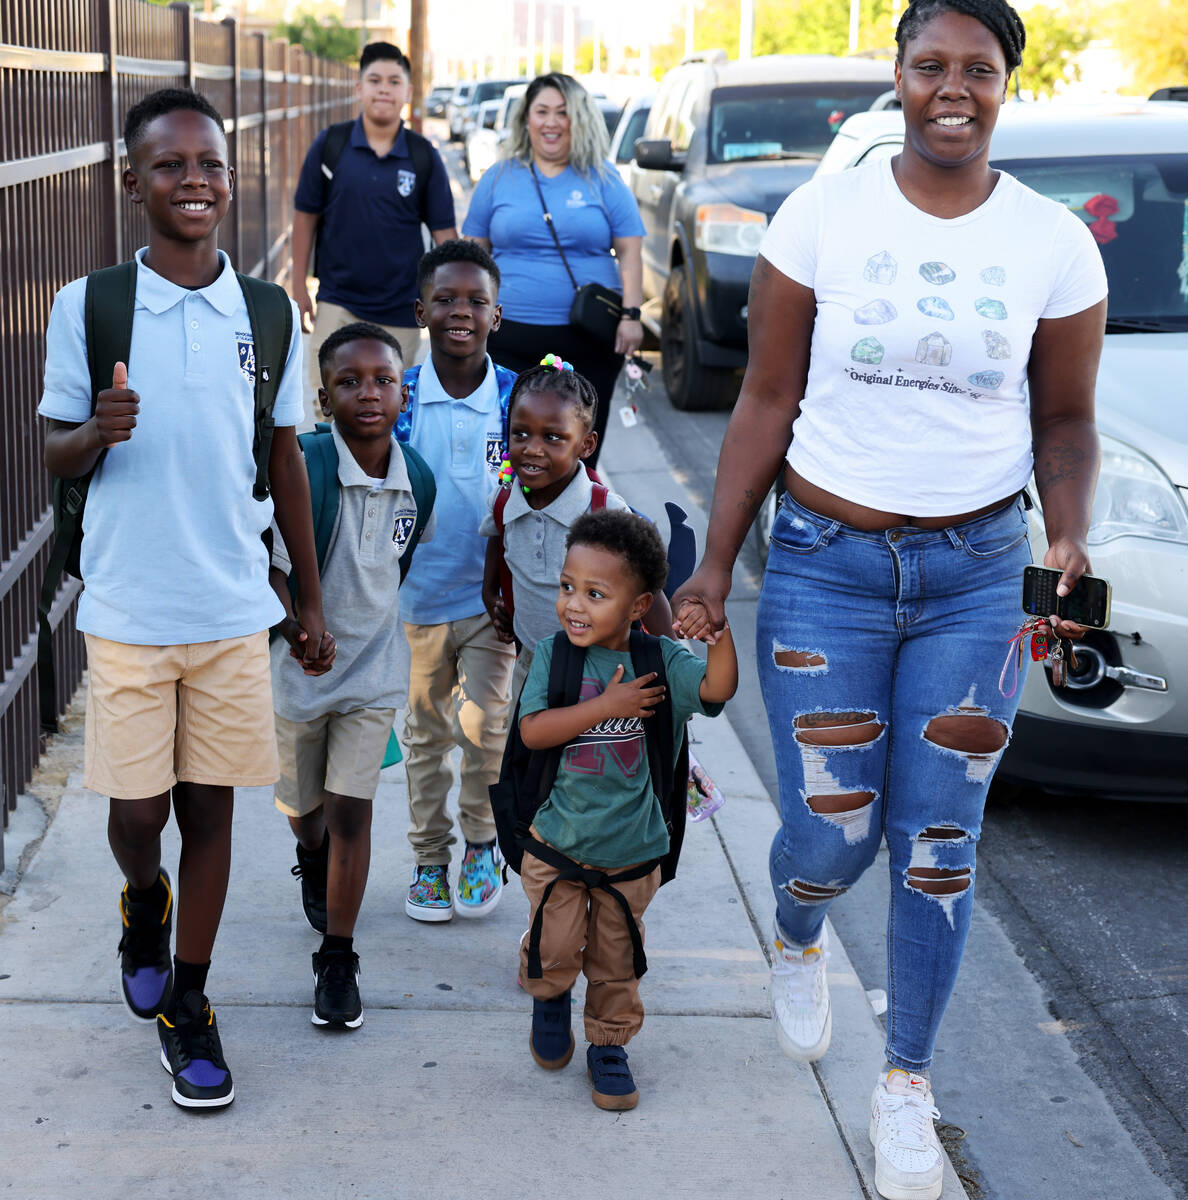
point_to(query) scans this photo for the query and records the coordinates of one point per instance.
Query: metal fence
(69, 69)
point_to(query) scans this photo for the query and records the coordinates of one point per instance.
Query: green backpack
(108, 311)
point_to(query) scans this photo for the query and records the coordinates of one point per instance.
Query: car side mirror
(655, 154)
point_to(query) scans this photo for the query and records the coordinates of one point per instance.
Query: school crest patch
(406, 518)
(245, 348)
(494, 452)
(405, 182)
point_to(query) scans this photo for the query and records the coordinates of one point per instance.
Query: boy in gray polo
(332, 730)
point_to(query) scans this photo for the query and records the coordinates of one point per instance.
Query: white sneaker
(908, 1158)
(800, 998)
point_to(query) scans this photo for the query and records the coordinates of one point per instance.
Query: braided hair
(566, 383)
(997, 15)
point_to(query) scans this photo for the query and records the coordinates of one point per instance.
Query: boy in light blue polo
(460, 672)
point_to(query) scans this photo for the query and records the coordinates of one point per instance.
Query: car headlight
(1135, 498)
(728, 229)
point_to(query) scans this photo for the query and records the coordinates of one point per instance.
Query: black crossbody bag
(595, 309)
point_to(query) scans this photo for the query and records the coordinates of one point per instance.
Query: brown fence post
(261, 57)
(232, 28)
(113, 228)
(185, 17)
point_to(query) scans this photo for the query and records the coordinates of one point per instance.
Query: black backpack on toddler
(526, 779)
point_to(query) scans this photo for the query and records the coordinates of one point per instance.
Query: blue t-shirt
(588, 213)
(369, 236)
(462, 441)
(171, 550)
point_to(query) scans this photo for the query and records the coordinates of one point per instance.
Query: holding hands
(316, 655)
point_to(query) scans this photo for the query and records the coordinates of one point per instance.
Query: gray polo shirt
(360, 580)
(535, 552)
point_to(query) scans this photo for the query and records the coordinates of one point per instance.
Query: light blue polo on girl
(171, 550)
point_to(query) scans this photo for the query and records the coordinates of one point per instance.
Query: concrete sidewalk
(436, 1092)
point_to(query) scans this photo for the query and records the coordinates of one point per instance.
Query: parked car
(628, 131)
(485, 89)
(482, 147)
(435, 102)
(456, 107)
(483, 130)
(723, 146)
(1120, 725)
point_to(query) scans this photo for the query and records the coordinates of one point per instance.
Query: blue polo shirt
(462, 441)
(171, 550)
(369, 239)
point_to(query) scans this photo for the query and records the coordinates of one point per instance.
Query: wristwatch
(629, 314)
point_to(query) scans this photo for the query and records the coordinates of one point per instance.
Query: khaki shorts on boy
(160, 715)
(336, 752)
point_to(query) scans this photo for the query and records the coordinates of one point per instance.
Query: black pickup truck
(725, 143)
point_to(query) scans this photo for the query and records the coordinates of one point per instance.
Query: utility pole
(418, 18)
(746, 28)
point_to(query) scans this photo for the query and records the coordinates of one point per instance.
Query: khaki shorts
(329, 317)
(337, 752)
(160, 715)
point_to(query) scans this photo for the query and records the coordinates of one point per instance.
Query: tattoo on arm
(747, 503)
(1063, 461)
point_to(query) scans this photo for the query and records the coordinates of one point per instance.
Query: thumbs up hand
(116, 409)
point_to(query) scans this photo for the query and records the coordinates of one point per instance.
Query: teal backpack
(108, 307)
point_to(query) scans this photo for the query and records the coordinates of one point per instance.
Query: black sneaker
(311, 870)
(146, 966)
(192, 1053)
(336, 990)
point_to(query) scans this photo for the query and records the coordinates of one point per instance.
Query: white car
(482, 146)
(484, 129)
(1120, 726)
(627, 132)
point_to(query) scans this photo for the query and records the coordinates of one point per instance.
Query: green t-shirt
(603, 809)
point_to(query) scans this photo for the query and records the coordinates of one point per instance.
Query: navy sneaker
(551, 1039)
(192, 1053)
(311, 869)
(614, 1089)
(146, 966)
(336, 990)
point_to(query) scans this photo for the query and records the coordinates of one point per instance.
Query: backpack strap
(270, 314)
(337, 138)
(424, 490)
(421, 152)
(598, 495)
(505, 578)
(108, 307)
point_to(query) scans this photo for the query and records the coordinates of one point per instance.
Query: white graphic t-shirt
(916, 399)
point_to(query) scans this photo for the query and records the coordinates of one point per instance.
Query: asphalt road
(1076, 972)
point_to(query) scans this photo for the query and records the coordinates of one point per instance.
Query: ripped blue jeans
(879, 658)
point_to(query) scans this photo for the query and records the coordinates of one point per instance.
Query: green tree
(327, 37)
(1151, 37)
(1053, 43)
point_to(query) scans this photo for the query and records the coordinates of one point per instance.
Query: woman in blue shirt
(559, 136)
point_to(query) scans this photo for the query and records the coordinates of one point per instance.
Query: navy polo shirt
(370, 229)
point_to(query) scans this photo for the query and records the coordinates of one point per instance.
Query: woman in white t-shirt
(897, 312)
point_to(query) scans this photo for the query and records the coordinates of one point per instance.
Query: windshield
(783, 120)
(490, 90)
(1136, 207)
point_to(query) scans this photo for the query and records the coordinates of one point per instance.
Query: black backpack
(108, 308)
(420, 151)
(526, 778)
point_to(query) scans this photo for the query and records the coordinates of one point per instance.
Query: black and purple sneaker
(146, 966)
(192, 1053)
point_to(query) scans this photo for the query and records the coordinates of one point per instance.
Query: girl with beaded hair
(555, 161)
(924, 333)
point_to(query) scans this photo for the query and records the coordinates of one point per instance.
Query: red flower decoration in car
(1103, 208)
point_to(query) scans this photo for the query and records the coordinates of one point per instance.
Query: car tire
(691, 386)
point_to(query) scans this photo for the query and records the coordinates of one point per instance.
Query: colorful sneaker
(192, 1053)
(146, 966)
(311, 869)
(551, 1039)
(480, 879)
(336, 990)
(429, 895)
(800, 998)
(614, 1089)
(908, 1161)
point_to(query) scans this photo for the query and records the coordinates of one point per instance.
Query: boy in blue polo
(364, 210)
(177, 604)
(460, 672)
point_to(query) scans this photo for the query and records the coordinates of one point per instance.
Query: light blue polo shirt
(462, 441)
(171, 549)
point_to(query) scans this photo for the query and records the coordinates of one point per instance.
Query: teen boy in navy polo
(177, 603)
(460, 672)
(366, 221)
